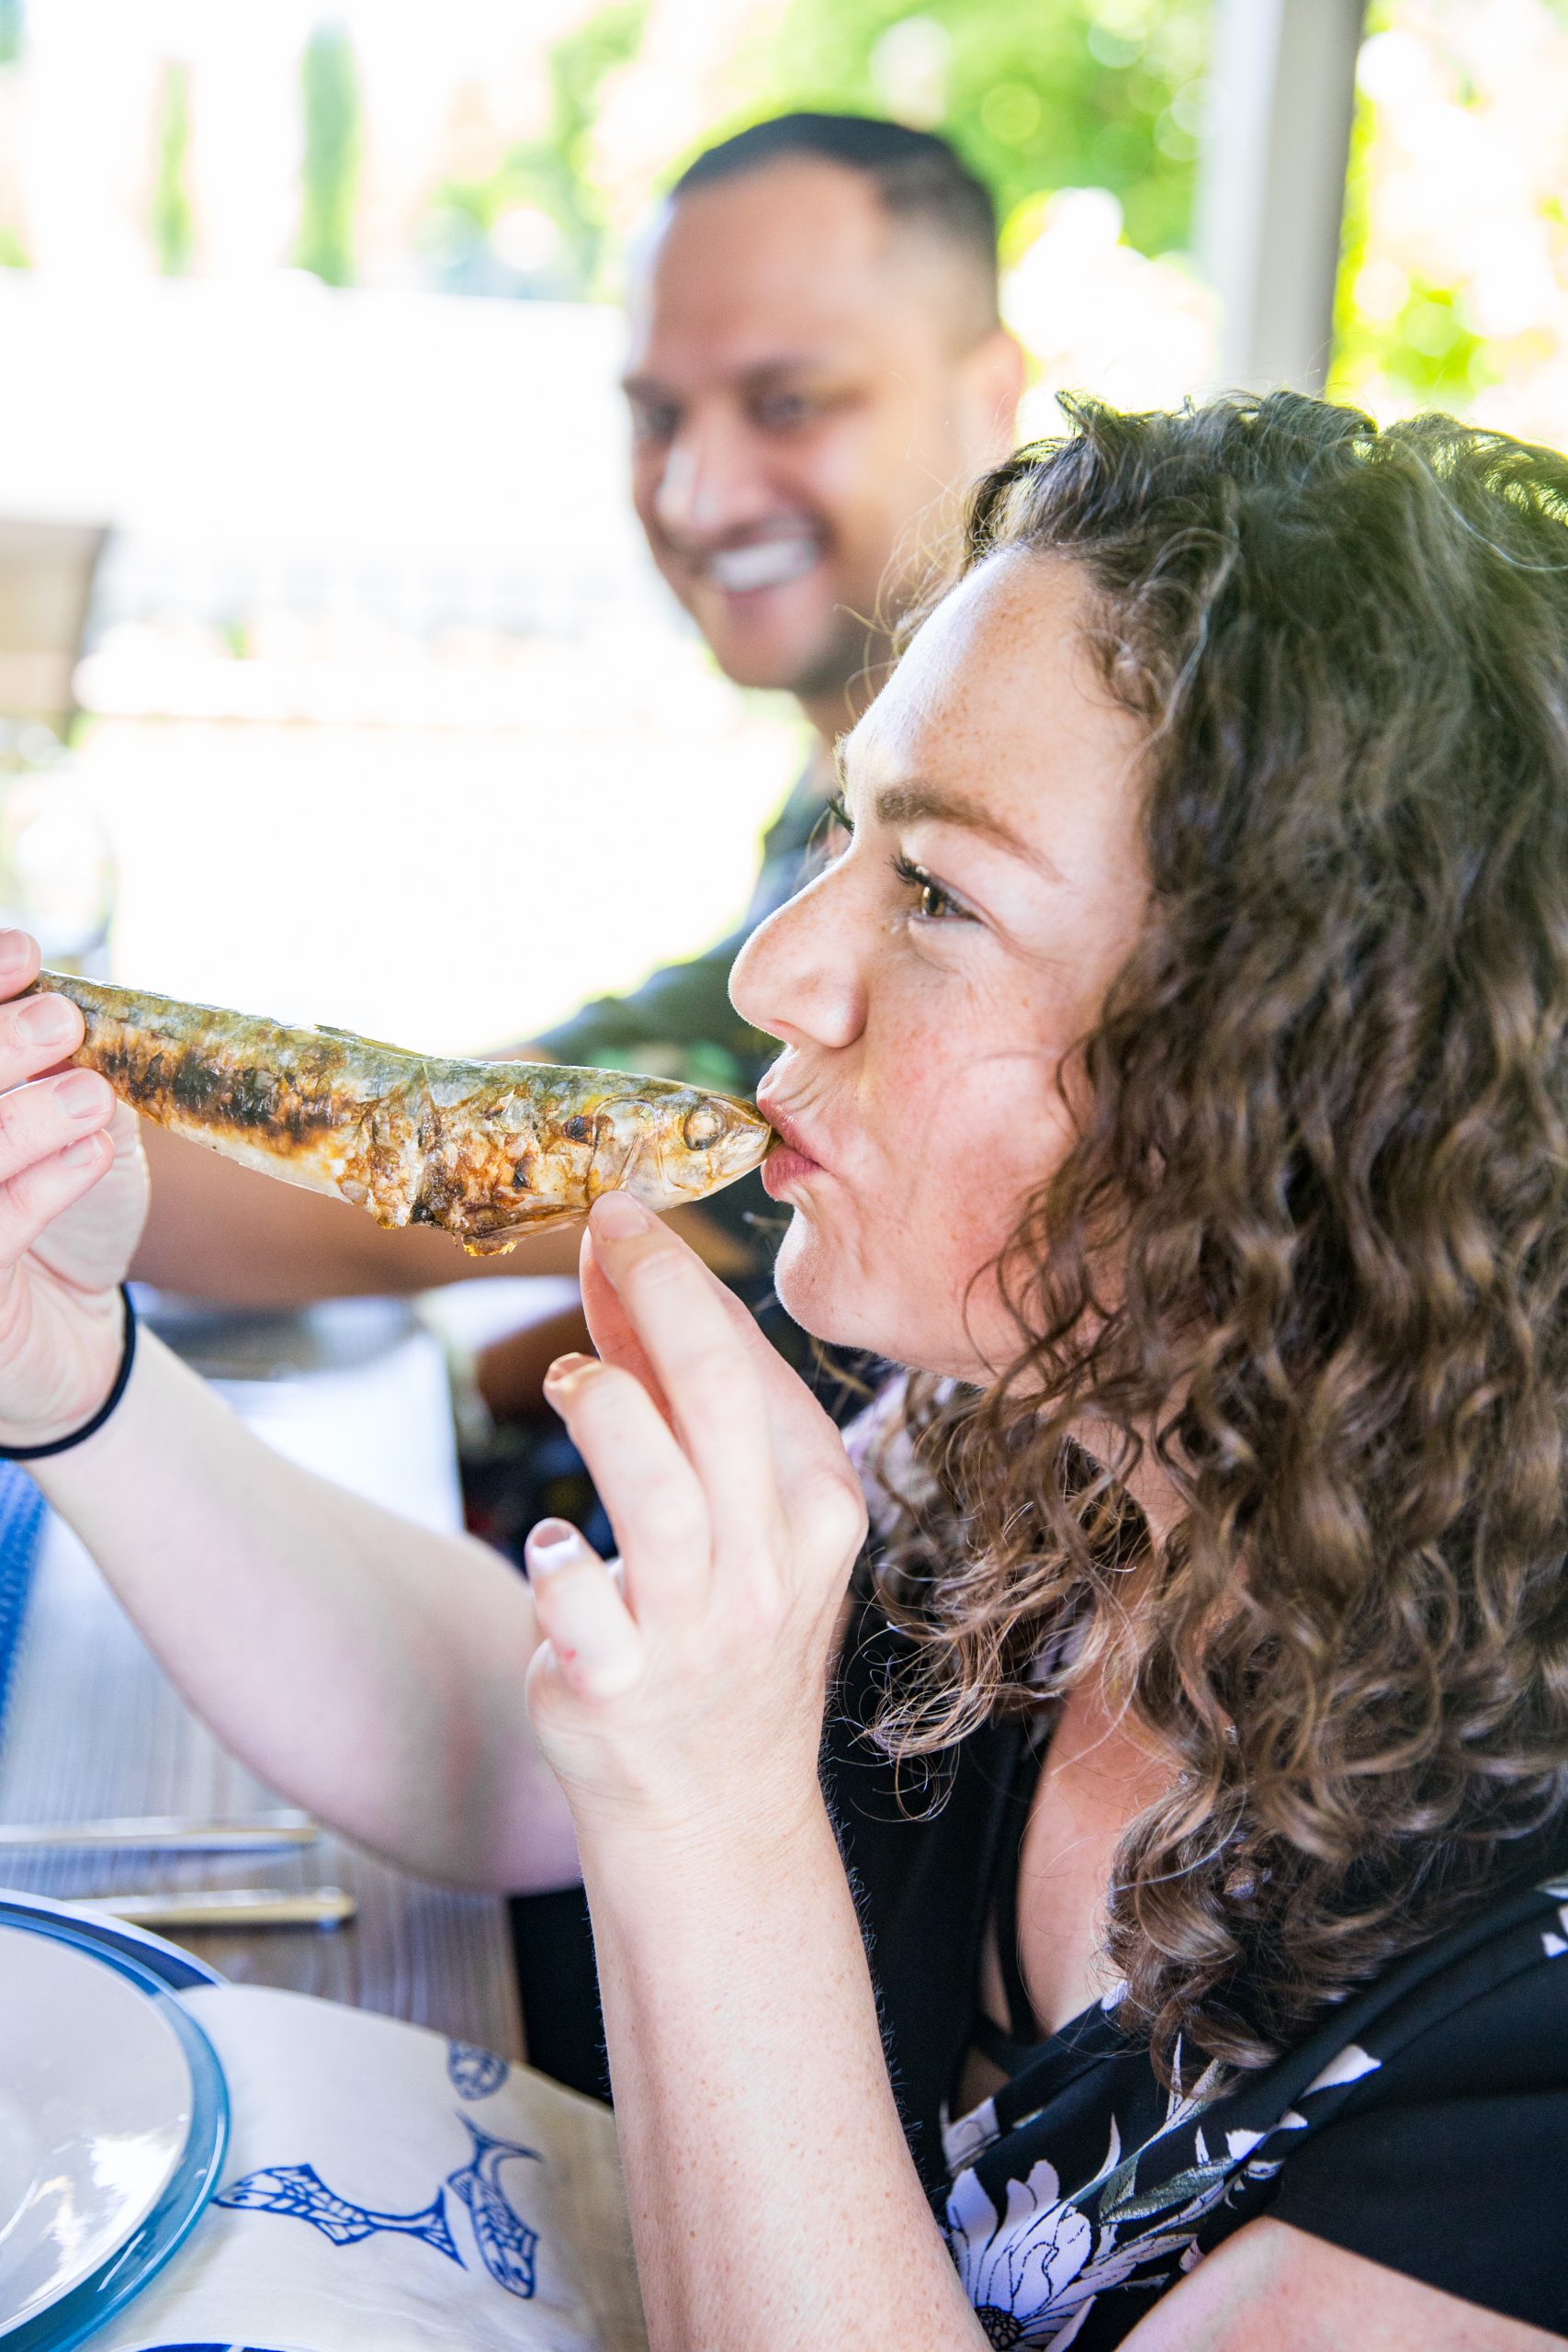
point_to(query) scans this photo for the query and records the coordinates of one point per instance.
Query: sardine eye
(576, 1130)
(701, 1127)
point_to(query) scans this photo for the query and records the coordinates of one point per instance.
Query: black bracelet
(63, 1444)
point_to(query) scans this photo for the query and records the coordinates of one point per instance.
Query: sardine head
(668, 1144)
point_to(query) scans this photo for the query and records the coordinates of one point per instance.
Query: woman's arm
(773, 2200)
(368, 1668)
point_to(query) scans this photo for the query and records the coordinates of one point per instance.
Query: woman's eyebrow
(907, 804)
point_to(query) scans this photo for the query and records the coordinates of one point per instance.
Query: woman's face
(927, 986)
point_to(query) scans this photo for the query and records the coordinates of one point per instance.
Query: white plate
(116, 1938)
(97, 2099)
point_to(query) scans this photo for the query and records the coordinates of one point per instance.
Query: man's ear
(994, 373)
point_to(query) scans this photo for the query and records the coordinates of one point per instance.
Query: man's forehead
(794, 264)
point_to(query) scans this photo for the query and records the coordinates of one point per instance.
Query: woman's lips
(789, 1160)
(783, 1168)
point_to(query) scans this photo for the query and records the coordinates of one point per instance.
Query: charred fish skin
(485, 1151)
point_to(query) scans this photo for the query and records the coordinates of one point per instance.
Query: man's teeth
(766, 563)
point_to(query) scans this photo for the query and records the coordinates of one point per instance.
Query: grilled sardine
(488, 1150)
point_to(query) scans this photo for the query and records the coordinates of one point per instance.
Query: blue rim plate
(93, 2302)
(179, 1970)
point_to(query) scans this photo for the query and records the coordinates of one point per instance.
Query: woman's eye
(932, 903)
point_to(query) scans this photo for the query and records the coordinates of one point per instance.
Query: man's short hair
(918, 177)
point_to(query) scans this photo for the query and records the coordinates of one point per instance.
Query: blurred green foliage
(1424, 351)
(329, 79)
(1059, 94)
(1409, 337)
(552, 175)
(1054, 94)
(14, 254)
(173, 226)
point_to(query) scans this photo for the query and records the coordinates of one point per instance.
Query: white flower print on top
(1018, 2268)
(1034, 2271)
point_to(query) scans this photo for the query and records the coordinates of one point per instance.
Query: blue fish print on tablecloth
(505, 2241)
(299, 2190)
(475, 2073)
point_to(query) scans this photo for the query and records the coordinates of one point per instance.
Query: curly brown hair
(1322, 1141)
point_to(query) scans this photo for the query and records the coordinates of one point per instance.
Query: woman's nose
(798, 976)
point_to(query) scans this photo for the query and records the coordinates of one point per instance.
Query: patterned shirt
(1421, 2124)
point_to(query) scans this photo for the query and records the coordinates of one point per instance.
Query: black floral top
(1422, 2125)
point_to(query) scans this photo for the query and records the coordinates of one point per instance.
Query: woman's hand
(73, 1198)
(685, 1687)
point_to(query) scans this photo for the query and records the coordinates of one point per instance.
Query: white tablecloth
(386, 2190)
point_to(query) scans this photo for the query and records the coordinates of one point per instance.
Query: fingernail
(82, 1095)
(77, 1155)
(14, 947)
(553, 1543)
(564, 1366)
(46, 1020)
(618, 1217)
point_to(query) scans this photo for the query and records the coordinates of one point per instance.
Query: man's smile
(760, 564)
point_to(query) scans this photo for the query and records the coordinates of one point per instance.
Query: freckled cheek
(966, 1142)
(987, 1188)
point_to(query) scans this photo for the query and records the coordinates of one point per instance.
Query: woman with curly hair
(1168, 1945)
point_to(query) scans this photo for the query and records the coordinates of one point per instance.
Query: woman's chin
(846, 1306)
(836, 1304)
(812, 1289)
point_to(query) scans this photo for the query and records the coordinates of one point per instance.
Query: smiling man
(816, 359)
(816, 369)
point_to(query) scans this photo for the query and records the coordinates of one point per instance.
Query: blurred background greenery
(544, 133)
(314, 305)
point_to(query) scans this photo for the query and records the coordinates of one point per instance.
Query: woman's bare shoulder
(1275, 2288)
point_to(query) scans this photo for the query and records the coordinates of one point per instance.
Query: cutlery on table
(167, 1832)
(225, 1907)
